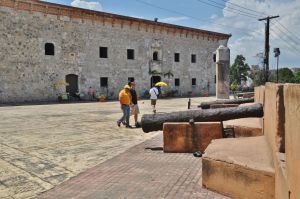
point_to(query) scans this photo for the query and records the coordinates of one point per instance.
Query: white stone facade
(27, 74)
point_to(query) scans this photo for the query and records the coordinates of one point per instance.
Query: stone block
(239, 168)
(245, 127)
(259, 94)
(185, 138)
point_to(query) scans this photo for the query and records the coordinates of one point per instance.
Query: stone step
(239, 168)
(245, 127)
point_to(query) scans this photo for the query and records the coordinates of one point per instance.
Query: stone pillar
(222, 72)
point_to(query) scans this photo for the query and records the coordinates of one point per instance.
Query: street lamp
(277, 53)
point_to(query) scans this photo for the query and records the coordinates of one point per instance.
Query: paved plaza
(45, 145)
(141, 172)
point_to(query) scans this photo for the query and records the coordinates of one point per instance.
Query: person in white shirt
(154, 92)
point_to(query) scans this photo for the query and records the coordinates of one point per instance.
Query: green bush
(234, 86)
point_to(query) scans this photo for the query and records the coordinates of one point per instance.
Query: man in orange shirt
(125, 101)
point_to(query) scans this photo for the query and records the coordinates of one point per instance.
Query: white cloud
(87, 5)
(248, 34)
(214, 16)
(173, 19)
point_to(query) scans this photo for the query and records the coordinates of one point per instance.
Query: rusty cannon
(206, 105)
(154, 122)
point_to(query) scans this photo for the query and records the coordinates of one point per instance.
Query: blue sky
(238, 17)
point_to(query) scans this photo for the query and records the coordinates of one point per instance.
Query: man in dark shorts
(154, 92)
(134, 106)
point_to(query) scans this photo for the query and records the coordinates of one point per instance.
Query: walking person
(134, 106)
(154, 92)
(125, 101)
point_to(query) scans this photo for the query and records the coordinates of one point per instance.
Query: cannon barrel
(206, 105)
(154, 122)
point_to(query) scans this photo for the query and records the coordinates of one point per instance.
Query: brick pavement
(42, 146)
(140, 172)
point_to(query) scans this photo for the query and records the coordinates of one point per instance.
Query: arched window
(49, 49)
(155, 56)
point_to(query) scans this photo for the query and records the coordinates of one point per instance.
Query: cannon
(206, 105)
(154, 122)
(245, 95)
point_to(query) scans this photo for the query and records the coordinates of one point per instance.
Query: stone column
(222, 72)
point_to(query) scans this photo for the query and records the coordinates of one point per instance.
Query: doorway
(154, 80)
(72, 87)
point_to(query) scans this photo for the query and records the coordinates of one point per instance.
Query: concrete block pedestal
(186, 138)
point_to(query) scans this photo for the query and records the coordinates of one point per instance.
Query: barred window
(130, 54)
(177, 82)
(103, 52)
(176, 57)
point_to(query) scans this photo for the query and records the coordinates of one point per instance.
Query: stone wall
(283, 100)
(274, 116)
(292, 139)
(279, 148)
(27, 74)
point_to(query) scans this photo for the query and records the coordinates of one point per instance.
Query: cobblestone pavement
(141, 172)
(42, 146)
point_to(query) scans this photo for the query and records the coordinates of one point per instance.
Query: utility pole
(267, 46)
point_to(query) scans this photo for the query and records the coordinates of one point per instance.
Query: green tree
(297, 77)
(239, 70)
(285, 75)
(233, 87)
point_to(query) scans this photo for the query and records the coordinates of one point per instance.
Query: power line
(245, 31)
(261, 13)
(294, 35)
(173, 11)
(291, 38)
(287, 39)
(286, 42)
(288, 47)
(288, 36)
(239, 12)
(277, 21)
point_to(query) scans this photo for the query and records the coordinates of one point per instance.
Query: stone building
(45, 44)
